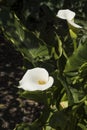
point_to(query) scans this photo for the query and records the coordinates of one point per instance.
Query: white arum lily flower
(36, 79)
(68, 15)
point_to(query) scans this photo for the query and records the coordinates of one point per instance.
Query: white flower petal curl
(74, 24)
(66, 14)
(36, 79)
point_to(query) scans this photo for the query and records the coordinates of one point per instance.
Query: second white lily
(68, 15)
(36, 79)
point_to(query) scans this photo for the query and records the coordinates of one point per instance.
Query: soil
(13, 109)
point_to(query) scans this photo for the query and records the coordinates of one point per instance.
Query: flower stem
(75, 44)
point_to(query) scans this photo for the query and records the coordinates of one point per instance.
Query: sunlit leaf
(49, 128)
(57, 51)
(77, 59)
(83, 127)
(32, 48)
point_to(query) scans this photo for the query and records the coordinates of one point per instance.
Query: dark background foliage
(42, 39)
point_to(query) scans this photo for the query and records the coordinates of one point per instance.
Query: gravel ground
(13, 109)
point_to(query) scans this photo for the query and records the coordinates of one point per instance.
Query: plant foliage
(46, 41)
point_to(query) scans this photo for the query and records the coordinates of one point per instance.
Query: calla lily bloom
(36, 79)
(68, 15)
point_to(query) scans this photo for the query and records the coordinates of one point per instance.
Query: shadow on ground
(13, 109)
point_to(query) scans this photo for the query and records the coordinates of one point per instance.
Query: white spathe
(68, 15)
(74, 24)
(36, 79)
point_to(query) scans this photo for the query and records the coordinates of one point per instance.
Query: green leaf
(85, 107)
(31, 47)
(72, 34)
(57, 51)
(59, 120)
(67, 88)
(78, 58)
(37, 96)
(83, 127)
(49, 128)
(83, 70)
(78, 95)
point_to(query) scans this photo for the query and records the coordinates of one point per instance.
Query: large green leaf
(77, 59)
(37, 96)
(83, 127)
(32, 48)
(60, 120)
(78, 95)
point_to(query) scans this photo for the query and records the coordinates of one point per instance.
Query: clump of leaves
(48, 42)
